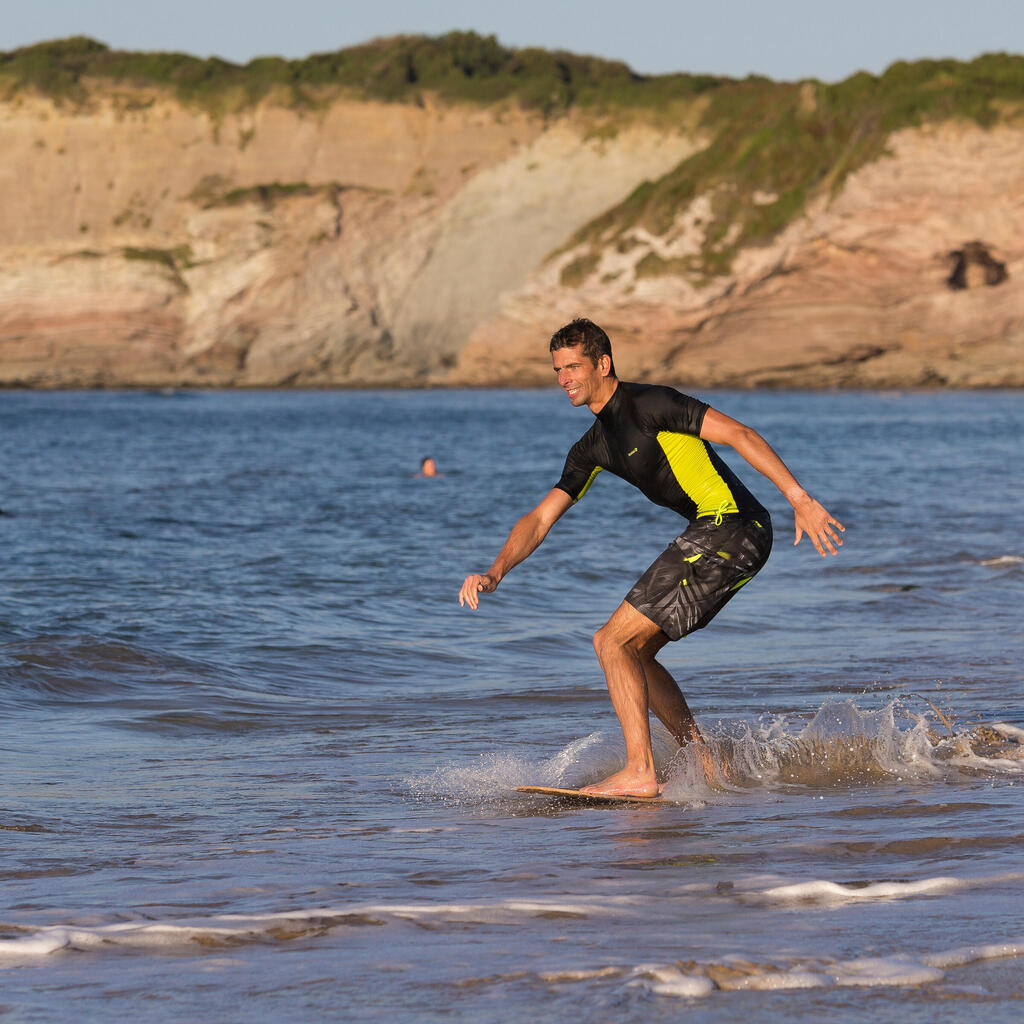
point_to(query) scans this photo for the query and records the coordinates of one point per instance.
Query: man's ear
(604, 365)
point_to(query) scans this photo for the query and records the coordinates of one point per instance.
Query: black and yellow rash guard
(650, 436)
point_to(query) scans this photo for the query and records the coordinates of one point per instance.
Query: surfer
(428, 467)
(658, 440)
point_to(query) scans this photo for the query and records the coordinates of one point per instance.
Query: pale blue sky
(783, 39)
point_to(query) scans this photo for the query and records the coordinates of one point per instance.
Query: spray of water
(842, 745)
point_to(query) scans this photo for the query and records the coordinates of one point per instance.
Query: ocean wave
(680, 979)
(770, 974)
(82, 667)
(693, 979)
(1002, 561)
(22, 943)
(149, 690)
(826, 893)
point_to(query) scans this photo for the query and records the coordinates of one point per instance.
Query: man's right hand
(475, 584)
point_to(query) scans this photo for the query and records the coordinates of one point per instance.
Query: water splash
(848, 745)
(842, 745)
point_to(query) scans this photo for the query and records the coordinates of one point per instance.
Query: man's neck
(600, 400)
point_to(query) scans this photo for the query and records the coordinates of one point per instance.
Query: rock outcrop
(857, 292)
(146, 243)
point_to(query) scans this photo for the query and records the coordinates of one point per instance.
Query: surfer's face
(578, 377)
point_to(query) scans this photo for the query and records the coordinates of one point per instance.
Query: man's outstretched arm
(811, 516)
(524, 539)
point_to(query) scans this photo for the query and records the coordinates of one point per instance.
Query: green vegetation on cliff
(459, 66)
(774, 145)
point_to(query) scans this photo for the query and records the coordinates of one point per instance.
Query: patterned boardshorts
(700, 571)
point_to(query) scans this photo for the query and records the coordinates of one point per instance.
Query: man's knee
(608, 642)
(628, 631)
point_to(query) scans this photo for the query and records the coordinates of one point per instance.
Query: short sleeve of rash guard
(578, 472)
(671, 410)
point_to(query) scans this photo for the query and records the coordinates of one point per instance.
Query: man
(657, 439)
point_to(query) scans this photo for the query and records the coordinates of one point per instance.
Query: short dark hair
(590, 338)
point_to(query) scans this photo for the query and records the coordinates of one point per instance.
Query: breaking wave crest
(688, 979)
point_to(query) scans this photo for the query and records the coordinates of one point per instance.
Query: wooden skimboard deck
(576, 797)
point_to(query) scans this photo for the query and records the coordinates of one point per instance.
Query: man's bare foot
(725, 768)
(714, 772)
(707, 763)
(625, 783)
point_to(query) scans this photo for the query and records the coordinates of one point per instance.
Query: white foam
(255, 927)
(487, 776)
(555, 977)
(822, 891)
(779, 981)
(885, 971)
(666, 980)
(1002, 561)
(974, 954)
(51, 940)
(1011, 732)
(582, 761)
(40, 943)
(738, 974)
(1003, 765)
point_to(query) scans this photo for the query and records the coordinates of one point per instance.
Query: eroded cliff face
(146, 244)
(857, 292)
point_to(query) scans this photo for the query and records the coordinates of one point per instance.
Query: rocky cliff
(912, 276)
(147, 241)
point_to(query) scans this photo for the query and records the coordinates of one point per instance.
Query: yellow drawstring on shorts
(724, 507)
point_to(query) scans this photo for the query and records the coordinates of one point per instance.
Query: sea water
(257, 763)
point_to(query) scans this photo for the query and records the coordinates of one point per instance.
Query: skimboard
(574, 796)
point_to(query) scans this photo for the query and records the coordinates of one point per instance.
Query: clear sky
(783, 39)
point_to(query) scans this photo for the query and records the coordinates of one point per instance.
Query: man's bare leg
(618, 644)
(666, 699)
(669, 704)
(637, 682)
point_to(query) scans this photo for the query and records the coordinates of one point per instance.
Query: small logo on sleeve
(633, 452)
